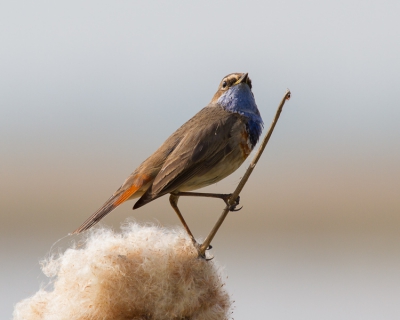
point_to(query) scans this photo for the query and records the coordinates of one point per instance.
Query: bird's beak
(243, 79)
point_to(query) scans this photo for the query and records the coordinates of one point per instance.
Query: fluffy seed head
(145, 272)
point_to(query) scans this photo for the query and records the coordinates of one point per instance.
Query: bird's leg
(173, 200)
(223, 196)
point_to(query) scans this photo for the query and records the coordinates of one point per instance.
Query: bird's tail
(114, 201)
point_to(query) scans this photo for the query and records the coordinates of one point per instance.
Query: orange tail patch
(126, 194)
(114, 202)
(140, 181)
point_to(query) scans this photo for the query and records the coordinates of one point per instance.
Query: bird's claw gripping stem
(232, 204)
(200, 254)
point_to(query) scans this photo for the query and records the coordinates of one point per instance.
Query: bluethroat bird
(206, 149)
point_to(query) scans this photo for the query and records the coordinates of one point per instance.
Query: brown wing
(205, 141)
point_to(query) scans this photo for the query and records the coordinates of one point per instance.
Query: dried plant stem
(246, 176)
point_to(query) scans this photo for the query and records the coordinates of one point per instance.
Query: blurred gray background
(89, 89)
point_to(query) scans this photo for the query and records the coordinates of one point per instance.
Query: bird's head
(230, 81)
(235, 95)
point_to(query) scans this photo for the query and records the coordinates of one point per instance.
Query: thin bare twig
(246, 176)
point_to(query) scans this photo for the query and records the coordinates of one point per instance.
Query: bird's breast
(240, 146)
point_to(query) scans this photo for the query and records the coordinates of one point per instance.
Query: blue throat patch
(240, 99)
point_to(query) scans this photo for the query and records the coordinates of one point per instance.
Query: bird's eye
(224, 84)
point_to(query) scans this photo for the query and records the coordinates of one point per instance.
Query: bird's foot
(200, 254)
(232, 207)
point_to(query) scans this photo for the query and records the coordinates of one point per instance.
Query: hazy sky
(89, 89)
